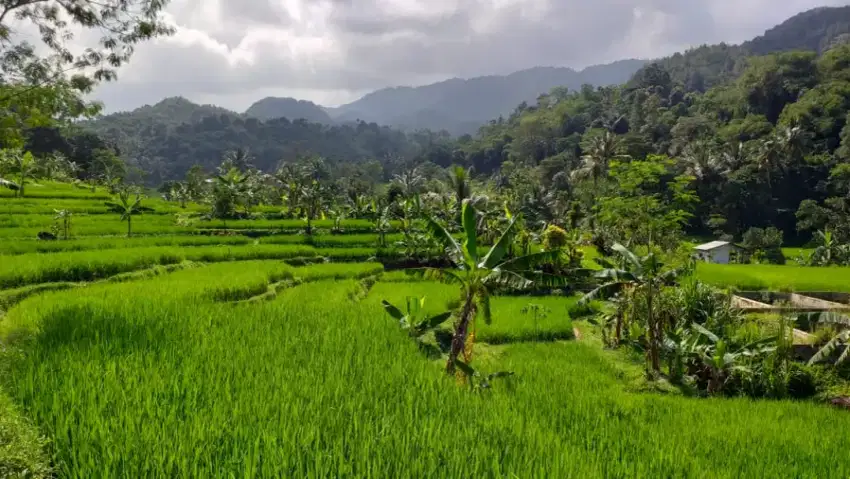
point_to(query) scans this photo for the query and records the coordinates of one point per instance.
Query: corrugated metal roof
(711, 245)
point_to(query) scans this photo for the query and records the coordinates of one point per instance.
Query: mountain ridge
(462, 105)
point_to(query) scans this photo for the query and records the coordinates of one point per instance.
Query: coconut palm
(701, 163)
(479, 276)
(599, 152)
(128, 204)
(239, 158)
(787, 146)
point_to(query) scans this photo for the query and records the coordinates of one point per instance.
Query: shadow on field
(112, 332)
(529, 337)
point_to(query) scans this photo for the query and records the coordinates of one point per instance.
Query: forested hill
(271, 108)
(461, 106)
(701, 68)
(771, 148)
(657, 111)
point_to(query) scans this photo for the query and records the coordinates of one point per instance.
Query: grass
(791, 254)
(49, 190)
(775, 277)
(93, 225)
(23, 246)
(213, 356)
(22, 447)
(22, 206)
(509, 323)
(349, 225)
(313, 384)
(21, 270)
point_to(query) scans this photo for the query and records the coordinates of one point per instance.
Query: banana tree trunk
(130, 226)
(461, 330)
(654, 334)
(618, 331)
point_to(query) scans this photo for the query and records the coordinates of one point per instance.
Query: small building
(715, 251)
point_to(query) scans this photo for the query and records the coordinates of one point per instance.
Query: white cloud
(233, 52)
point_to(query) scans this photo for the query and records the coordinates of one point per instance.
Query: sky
(234, 52)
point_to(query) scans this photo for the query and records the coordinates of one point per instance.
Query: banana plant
(480, 275)
(128, 206)
(478, 381)
(412, 322)
(714, 359)
(63, 218)
(382, 225)
(837, 341)
(636, 275)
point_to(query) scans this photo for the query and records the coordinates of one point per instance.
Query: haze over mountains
(461, 106)
(457, 105)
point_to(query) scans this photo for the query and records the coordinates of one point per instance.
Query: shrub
(554, 237)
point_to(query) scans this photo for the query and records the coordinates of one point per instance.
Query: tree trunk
(618, 330)
(461, 330)
(654, 334)
(129, 226)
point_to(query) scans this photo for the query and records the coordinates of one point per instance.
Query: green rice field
(179, 353)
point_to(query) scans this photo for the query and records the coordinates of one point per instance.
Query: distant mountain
(813, 30)
(461, 106)
(170, 111)
(701, 68)
(271, 108)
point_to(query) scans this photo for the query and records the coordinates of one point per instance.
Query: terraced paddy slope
(239, 365)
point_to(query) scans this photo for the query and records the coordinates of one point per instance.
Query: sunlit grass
(775, 277)
(26, 269)
(251, 367)
(313, 384)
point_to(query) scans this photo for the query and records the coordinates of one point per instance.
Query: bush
(554, 237)
(765, 244)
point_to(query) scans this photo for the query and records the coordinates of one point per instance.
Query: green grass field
(188, 387)
(182, 355)
(775, 277)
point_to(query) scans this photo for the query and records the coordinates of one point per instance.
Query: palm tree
(787, 146)
(768, 158)
(127, 206)
(637, 277)
(599, 153)
(239, 158)
(459, 180)
(792, 142)
(732, 157)
(480, 276)
(701, 163)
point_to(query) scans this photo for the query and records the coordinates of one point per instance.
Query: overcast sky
(234, 52)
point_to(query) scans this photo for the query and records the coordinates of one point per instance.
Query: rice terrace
(646, 276)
